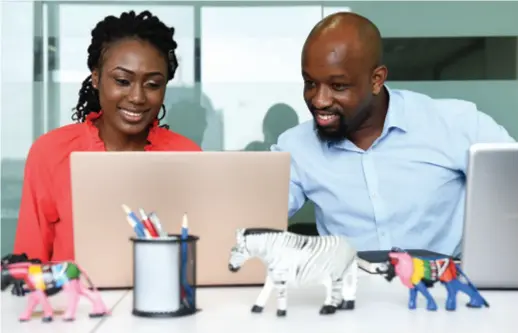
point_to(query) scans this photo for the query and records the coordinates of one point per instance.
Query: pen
(134, 222)
(148, 224)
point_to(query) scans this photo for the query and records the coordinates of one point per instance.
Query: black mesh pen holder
(164, 276)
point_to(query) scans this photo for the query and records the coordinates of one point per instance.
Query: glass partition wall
(239, 85)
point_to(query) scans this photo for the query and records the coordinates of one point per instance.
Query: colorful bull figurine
(19, 287)
(419, 274)
(58, 276)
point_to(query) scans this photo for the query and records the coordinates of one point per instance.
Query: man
(383, 167)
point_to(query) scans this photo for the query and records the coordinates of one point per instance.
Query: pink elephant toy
(61, 276)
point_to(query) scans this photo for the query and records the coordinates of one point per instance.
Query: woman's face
(131, 84)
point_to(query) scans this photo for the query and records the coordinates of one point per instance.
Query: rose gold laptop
(219, 191)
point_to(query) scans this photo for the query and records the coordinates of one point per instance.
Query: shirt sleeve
(37, 213)
(476, 127)
(485, 129)
(297, 197)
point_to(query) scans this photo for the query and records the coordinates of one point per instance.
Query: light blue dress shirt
(407, 189)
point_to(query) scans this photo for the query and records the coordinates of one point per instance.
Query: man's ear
(378, 79)
(95, 79)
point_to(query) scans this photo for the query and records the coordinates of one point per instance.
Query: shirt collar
(395, 119)
(396, 112)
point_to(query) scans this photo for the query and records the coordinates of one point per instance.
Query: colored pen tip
(184, 221)
(126, 209)
(142, 213)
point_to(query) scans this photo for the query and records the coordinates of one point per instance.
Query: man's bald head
(343, 75)
(355, 32)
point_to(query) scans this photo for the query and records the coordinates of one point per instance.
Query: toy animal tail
(83, 272)
(471, 284)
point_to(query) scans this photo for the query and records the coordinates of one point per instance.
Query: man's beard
(345, 127)
(331, 135)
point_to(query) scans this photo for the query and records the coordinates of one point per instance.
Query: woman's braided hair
(144, 26)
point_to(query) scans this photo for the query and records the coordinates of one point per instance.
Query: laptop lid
(491, 216)
(219, 191)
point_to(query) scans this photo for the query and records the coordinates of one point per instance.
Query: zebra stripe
(293, 259)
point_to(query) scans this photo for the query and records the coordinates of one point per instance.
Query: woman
(131, 59)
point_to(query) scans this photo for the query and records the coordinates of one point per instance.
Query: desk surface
(12, 308)
(379, 306)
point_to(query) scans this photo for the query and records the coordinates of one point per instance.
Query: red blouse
(44, 228)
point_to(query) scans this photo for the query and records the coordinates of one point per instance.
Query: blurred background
(239, 84)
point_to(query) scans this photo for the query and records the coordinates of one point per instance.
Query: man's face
(338, 88)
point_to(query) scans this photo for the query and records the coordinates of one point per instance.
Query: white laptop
(490, 242)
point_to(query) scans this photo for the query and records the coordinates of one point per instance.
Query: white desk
(380, 307)
(12, 308)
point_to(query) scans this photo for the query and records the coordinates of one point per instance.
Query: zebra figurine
(297, 260)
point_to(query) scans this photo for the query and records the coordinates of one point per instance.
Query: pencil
(134, 222)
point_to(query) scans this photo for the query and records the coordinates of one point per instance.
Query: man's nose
(323, 98)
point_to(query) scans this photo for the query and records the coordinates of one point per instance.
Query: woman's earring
(162, 117)
(163, 113)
